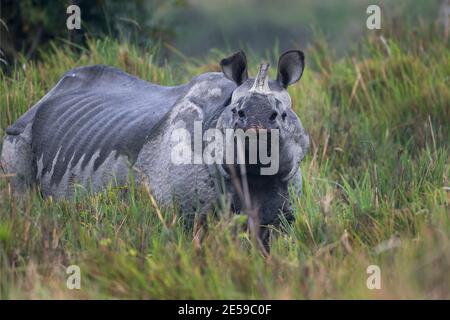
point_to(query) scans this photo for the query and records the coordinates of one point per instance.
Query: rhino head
(260, 105)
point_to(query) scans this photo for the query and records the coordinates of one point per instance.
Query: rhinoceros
(99, 125)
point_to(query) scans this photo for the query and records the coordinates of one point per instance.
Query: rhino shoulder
(210, 85)
(210, 92)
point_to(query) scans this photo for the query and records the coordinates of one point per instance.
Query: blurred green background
(192, 28)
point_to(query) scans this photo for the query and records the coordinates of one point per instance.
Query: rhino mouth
(261, 137)
(256, 151)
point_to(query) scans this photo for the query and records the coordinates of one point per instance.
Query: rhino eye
(273, 116)
(233, 110)
(283, 116)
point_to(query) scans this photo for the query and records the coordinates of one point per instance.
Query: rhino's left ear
(235, 67)
(290, 67)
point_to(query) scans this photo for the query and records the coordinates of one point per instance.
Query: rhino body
(99, 126)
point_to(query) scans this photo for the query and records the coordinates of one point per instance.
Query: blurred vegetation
(376, 188)
(30, 25)
(192, 28)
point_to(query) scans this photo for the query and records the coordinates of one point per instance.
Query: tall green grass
(376, 190)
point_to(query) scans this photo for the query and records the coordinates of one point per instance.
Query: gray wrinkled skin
(99, 124)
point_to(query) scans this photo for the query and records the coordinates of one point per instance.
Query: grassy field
(376, 190)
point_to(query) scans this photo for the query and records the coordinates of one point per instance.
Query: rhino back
(95, 114)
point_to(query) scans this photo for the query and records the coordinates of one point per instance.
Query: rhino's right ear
(235, 67)
(290, 67)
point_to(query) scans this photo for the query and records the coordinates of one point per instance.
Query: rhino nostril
(273, 116)
(283, 116)
(241, 114)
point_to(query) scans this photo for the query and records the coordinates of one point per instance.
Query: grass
(376, 191)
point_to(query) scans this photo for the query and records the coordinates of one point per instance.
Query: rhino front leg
(17, 161)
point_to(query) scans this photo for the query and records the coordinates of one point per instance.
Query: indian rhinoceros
(98, 125)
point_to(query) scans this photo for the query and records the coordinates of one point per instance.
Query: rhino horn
(261, 84)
